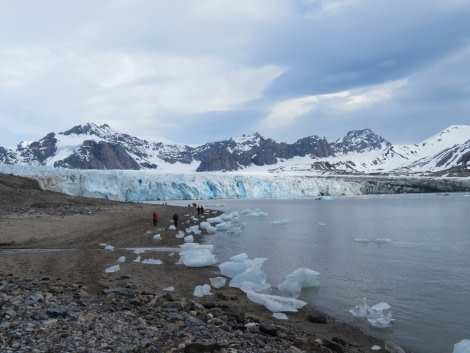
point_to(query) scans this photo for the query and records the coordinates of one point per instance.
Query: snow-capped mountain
(360, 152)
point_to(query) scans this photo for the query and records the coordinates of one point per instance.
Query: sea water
(411, 251)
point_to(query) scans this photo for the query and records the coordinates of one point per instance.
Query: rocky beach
(56, 296)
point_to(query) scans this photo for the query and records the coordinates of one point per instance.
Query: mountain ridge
(91, 146)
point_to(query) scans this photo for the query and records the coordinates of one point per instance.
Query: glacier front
(149, 185)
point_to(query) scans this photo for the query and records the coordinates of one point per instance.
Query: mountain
(91, 146)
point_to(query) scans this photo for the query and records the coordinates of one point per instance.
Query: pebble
(46, 316)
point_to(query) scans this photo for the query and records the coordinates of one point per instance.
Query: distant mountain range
(360, 152)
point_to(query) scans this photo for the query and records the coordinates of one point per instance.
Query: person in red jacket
(155, 218)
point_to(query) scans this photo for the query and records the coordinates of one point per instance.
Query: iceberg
(276, 303)
(378, 315)
(280, 222)
(292, 284)
(200, 291)
(462, 347)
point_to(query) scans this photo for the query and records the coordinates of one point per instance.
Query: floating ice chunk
(323, 198)
(246, 211)
(121, 259)
(234, 231)
(204, 225)
(223, 226)
(292, 284)
(211, 229)
(152, 262)
(383, 240)
(203, 290)
(321, 223)
(280, 222)
(257, 213)
(242, 257)
(157, 237)
(360, 310)
(232, 269)
(462, 347)
(280, 316)
(247, 286)
(189, 239)
(109, 247)
(114, 268)
(378, 315)
(361, 240)
(214, 220)
(169, 289)
(276, 303)
(218, 282)
(255, 275)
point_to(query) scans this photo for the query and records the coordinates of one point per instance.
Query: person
(198, 210)
(202, 210)
(175, 218)
(155, 218)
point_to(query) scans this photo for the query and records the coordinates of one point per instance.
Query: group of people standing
(155, 218)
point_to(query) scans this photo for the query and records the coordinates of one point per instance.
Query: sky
(198, 71)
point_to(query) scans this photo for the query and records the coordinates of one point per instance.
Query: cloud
(287, 112)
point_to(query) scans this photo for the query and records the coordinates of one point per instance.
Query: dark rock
(268, 328)
(317, 319)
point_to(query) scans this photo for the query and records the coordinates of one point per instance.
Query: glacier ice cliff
(129, 185)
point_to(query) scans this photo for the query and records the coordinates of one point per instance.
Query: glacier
(147, 185)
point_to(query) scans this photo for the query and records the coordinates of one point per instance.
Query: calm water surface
(410, 251)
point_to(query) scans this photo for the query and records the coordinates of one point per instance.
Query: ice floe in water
(292, 284)
(280, 222)
(462, 347)
(378, 315)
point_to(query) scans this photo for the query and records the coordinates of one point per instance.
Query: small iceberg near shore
(378, 315)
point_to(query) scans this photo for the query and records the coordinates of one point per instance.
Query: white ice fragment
(360, 310)
(462, 347)
(214, 220)
(292, 284)
(152, 262)
(109, 247)
(204, 225)
(223, 226)
(217, 282)
(189, 239)
(169, 289)
(232, 269)
(242, 257)
(203, 290)
(180, 234)
(196, 255)
(172, 227)
(376, 348)
(280, 316)
(280, 222)
(139, 251)
(361, 240)
(157, 237)
(114, 268)
(276, 303)
(255, 275)
(121, 259)
(137, 259)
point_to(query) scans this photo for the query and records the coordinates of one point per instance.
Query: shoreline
(33, 218)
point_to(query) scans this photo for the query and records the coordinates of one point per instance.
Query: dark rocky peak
(39, 151)
(90, 129)
(314, 146)
(359, 141)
